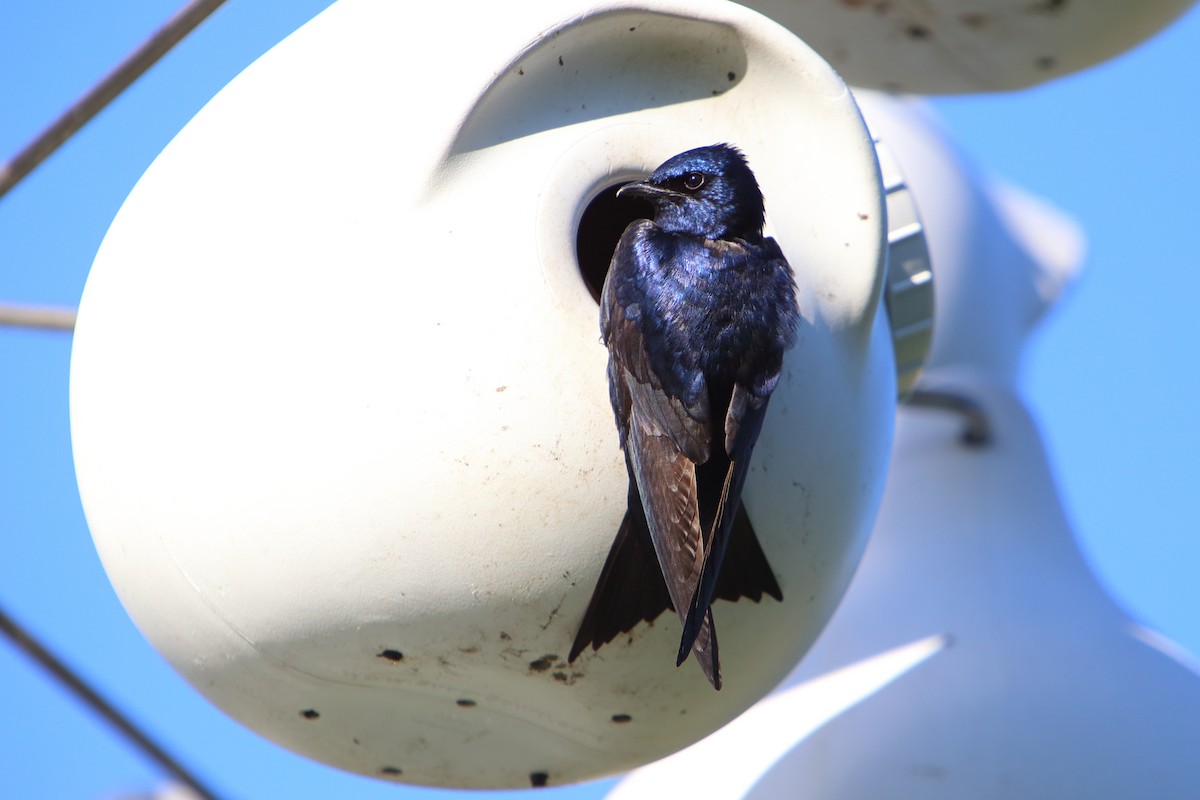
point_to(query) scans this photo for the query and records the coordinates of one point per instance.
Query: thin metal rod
(105, 91)
(48, 661)
(978, 431)
(57, 319)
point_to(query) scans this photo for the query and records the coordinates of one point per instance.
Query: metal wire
(56, 319)
(25, 642)
(11, 173)
(105, 91)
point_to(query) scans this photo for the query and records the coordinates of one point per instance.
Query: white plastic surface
(948, 46)
(974, 655)
(338, 402)
(1001, 256)
(1045, 690)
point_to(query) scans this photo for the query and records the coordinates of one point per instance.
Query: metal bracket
(978, 431)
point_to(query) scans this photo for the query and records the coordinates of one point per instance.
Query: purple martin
(697, 310)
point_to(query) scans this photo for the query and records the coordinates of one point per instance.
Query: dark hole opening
(600, 228)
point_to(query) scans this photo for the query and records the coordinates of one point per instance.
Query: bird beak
(643, 189)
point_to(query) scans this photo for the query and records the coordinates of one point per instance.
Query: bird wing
(666, 480)
(664, 437)
(630, 588)
(743, 423)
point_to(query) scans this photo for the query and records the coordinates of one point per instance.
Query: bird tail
(630, 588)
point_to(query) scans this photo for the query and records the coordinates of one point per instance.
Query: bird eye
(693, 180)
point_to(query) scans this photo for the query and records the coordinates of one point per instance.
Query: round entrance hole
(600, 228)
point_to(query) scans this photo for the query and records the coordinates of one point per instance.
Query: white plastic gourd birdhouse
(339, 405)
(975, 655)
(948, 46)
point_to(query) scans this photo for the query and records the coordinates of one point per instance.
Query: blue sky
(1111, 375)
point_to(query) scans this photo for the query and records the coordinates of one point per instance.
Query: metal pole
(105, 91)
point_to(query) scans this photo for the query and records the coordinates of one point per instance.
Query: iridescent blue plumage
(697, 311)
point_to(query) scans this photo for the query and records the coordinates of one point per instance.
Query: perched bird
(697, 311)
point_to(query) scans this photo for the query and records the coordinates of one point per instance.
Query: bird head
(709, 192)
